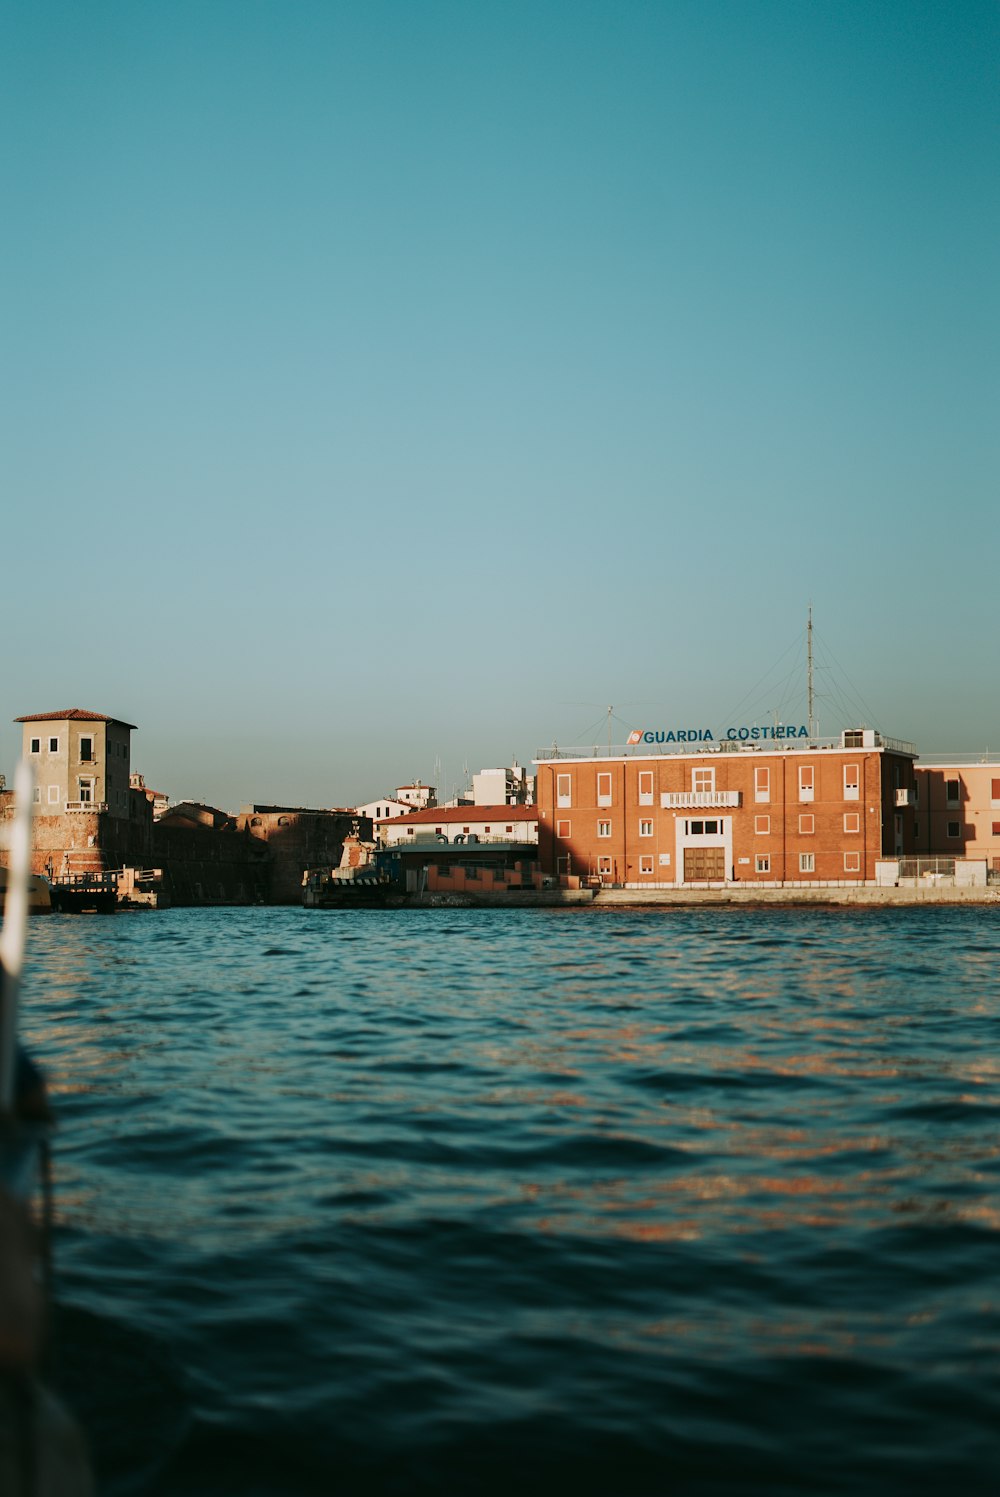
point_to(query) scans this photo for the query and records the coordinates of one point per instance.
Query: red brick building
(819, 812)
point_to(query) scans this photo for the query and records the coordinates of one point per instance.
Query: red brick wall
(785, 839)
(87, 841)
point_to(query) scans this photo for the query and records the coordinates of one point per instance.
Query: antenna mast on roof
(809, 673)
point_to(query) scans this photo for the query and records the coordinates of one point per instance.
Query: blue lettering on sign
(705, 735)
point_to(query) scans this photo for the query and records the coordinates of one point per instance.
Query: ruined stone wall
(297, 840)
(202, 865)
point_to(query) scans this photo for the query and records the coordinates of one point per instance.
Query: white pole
(15, 919)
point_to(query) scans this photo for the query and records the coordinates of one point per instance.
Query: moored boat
(357, 881)
(39, 893)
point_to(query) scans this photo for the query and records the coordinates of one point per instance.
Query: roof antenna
(809, 651)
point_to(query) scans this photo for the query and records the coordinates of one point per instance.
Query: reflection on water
(424, 1201)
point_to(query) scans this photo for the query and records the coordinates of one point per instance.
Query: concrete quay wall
(821, 895)
(830, 894)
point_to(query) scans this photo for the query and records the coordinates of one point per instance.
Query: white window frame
(605, 866)
(852, 831)
(761, 784)
(645, 780)
(85, 783)
(807, 782)
(604, 829)
(762, 863)
(852, 782)
(34, 745)
(53, 744)
(646, 862)
(561, 822)
(706, 774)
(762, 826)
(852, 862)
(53, 795)
(807, 862)
(604, 787)
(564, 791)
(645, 829)
(807, 825)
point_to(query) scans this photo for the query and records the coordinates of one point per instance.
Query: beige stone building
(80, 760)
(87, 818)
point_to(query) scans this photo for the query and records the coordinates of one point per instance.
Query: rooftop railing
(768, 745)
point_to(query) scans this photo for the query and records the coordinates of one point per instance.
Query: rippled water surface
(454, 1201)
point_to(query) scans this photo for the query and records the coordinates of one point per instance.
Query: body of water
(621, 1201)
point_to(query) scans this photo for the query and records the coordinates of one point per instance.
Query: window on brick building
(604, 789)
(645, 787)
(852, 782)
(646, 863)
(807, 782)
(995, 792)
(762, 784)
(645, 829)
(852, 862)
(762, 826)
(996, 829)
(952, 792)
(807, 825)
(604, 829)
(604, 867)
(564, 790)
(703, 780)
(954, 829)
(807, 862)
(762, 863)
(852, 821)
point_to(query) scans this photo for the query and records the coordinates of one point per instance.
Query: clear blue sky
(394, 382)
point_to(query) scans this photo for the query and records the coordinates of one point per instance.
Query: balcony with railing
(86, 805)
(692, 800)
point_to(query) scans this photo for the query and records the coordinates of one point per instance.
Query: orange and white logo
(634, 736)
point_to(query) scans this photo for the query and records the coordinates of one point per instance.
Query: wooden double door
(704, 865)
